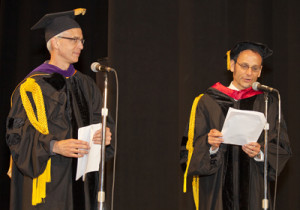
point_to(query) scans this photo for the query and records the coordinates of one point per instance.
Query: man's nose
(249, 71)
(80, 45)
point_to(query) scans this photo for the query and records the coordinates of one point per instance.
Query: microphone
(97, 67)
(257, 86)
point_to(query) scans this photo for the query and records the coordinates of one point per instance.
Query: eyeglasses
(74, 40)
(245, 67)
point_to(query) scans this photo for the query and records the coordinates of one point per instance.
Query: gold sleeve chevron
(190, 148)
(41, 125)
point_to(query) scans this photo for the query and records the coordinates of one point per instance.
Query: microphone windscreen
(94, 66)
(255, 86)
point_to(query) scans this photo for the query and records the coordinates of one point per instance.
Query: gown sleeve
(30, 149)
(284, 150)
(208, 116)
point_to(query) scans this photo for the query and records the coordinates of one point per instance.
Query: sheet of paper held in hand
(89, 162)
(242, 127)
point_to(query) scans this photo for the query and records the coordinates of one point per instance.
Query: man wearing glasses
(48, 107)
(227, 176)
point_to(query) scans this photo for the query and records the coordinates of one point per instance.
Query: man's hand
(251, 149)
(215, 138)
(71, 148)
(97, 138)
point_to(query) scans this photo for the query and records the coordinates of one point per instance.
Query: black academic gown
(230, 179)
(70, 103)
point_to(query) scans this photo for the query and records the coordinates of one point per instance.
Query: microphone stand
(277, 149)
(265, 201)
(101, 193)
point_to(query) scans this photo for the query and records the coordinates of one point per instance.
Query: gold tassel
(190, 148)
(39, 185)
(228, 60)
(79, 11)
(9, 172)
(41, 125)
(195, 185)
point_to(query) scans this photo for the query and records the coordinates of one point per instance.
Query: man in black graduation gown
(47, 108)
(231, 177)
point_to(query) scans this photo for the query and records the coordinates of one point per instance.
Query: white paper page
(89, 162)
(242, 127)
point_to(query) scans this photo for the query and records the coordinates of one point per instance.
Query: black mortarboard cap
(262, 49)
(55, 23)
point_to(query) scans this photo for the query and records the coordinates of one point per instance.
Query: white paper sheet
(242, 127)
(89, 162)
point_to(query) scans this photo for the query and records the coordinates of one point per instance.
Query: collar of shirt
(232, 87)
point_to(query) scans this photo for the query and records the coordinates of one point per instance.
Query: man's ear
(259, 74)
(55, 43)
(232, 65)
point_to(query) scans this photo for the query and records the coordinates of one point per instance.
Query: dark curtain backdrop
(166, 53)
